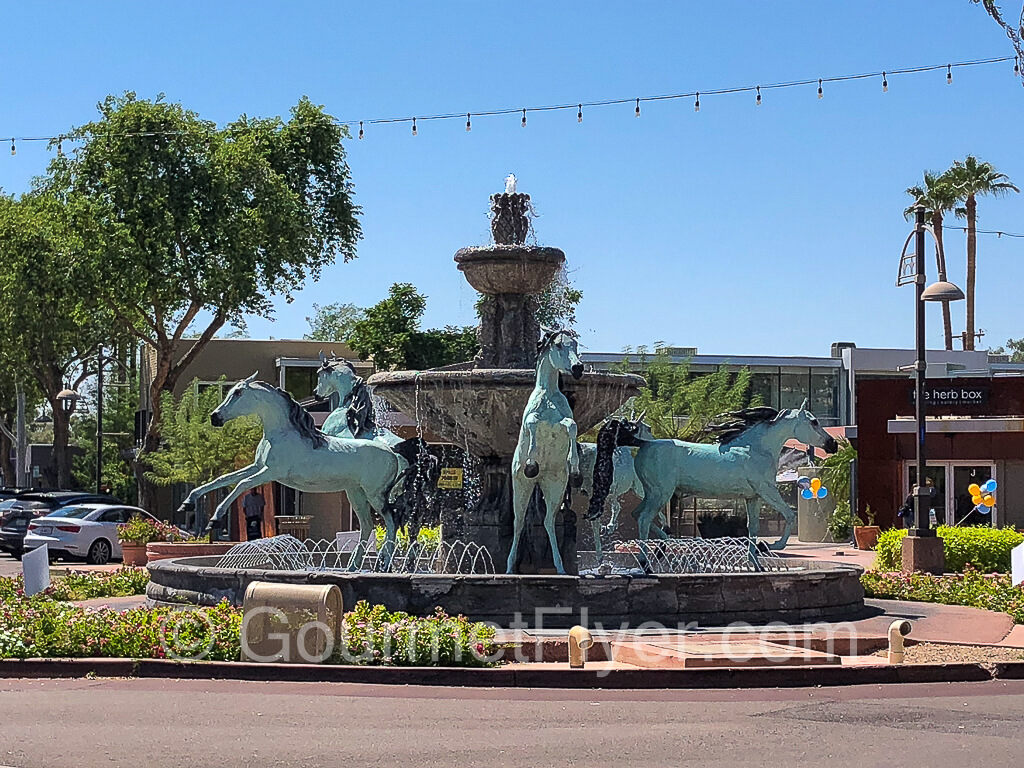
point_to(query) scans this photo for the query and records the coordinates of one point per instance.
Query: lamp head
(942, 291)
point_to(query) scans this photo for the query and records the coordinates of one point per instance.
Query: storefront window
(792, 389)
(824, 402)
(300, 382)
(765, 386)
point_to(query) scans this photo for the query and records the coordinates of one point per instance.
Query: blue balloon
(822, 492)
(989, 486)
(803, 482)
(807, 493)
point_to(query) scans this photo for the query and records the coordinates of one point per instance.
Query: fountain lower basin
(481, 409)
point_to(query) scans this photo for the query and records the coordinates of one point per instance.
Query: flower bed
(81, 585)
(993, 592)
(985, 549)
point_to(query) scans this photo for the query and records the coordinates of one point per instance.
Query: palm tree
(938, 198)
(971, 178)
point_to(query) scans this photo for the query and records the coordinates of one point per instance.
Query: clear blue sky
(739, 230)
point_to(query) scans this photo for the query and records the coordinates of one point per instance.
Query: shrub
(840, 524)
(983, 548)
(971, 588)
(81, 585)
(429, 537)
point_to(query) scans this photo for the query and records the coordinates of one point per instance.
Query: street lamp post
(922, 548)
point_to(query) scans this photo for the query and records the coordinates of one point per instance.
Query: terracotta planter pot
(866, 536)
(162, 550)
(133, 554)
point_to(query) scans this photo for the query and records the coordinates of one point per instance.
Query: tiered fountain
(481, 408)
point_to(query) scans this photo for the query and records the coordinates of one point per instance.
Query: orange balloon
(815, 484)
(989, 501)
(976, 499)
(974, 489)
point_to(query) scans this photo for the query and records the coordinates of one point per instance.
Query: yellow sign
(450, 479)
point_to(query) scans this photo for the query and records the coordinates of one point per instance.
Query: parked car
(22, 510)
(82, 531)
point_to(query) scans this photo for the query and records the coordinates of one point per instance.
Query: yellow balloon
(974, 489)
(989, 501)
(815, 484)
(976, 499)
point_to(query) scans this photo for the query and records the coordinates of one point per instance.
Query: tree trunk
(972, 267)
(60, 460)
(940, 264)
(162, 382)
(6, 465)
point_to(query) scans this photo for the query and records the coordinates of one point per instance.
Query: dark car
(26, 507)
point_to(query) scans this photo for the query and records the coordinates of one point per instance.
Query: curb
(514, 676)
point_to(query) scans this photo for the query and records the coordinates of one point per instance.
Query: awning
(953, 426)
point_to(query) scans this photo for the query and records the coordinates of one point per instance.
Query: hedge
(982, 548)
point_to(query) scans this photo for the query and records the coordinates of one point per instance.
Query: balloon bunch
(983, 496)
(811, 488)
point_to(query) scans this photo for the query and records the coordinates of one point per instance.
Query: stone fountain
(480, 408)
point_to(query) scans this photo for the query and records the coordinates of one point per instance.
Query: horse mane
(360, 407)
(726, 427)
(614, 433)
(298, 416)
(548, 336)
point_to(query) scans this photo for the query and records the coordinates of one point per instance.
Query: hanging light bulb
(60, 147)
(13, 150)
(414, 132)
(949, 74)
(758, 102)
(637, 110)
(696, 103)
(523, 123)
(360, 130)
(469, 126)
(820, 92)
(1016, 66)
(885, 84)
(579, 114)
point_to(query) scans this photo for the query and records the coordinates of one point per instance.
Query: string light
(414, 126)
(13, 150)
(756, 89)
(579, 114)
(469, 125)
(885, 84)
(758, 102)
(60, 148)
(360, 130)
(696, 103)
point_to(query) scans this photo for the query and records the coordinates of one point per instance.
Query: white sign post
(35, 567)
(1017, 564)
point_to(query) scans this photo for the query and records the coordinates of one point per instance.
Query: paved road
(11, 567)
(157, 723)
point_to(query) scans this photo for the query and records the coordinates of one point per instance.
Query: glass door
(964, 512)
(952, 504)
(935, 476)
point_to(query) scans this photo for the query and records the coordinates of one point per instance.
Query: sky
(738, 229)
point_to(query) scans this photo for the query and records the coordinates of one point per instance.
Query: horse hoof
(576, 479)
(532, 469)
(187, 506)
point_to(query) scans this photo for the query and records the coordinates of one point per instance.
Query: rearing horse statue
(353, 417)
(547, 454)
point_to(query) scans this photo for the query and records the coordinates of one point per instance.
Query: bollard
(292, 623)
(579, 641)
(897, 631)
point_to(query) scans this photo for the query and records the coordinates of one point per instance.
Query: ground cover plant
(993, 592)
(985, 549)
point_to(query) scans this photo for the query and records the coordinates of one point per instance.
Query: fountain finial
(510, 184)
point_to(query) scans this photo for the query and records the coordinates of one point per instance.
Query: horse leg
(263, 475)
(613, 521)
(753, 526)
(553, 489)
(771, 496)
(522, 490)
(654, 500)
(364, 513)
(530, 466)
(573, 457)
(189, 504)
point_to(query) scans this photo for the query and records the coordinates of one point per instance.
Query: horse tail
(604, 469)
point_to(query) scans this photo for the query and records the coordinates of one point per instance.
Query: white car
(82, 531)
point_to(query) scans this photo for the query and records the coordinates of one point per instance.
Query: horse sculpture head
(807, 430)
(560, 349)
(335, 374)
(250, 397)
(241, 400)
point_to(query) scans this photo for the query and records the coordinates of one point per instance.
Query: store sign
(946, 394)
(450, 479)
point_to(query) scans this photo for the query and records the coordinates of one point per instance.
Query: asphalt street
(156, 723)
(8, 565)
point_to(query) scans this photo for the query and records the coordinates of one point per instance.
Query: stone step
(693, 653)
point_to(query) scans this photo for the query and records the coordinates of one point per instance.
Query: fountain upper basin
(518, 269)
(482, 409)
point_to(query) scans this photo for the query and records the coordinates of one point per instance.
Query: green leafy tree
(48, 331)
(192, 450)
(120, 406)
(193, 226)
(939, 197)
(390, 334)
(679, 404)
(1016, 349)
(972, 178)
(333, 322)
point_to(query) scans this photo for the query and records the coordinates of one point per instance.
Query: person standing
(253, 506)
